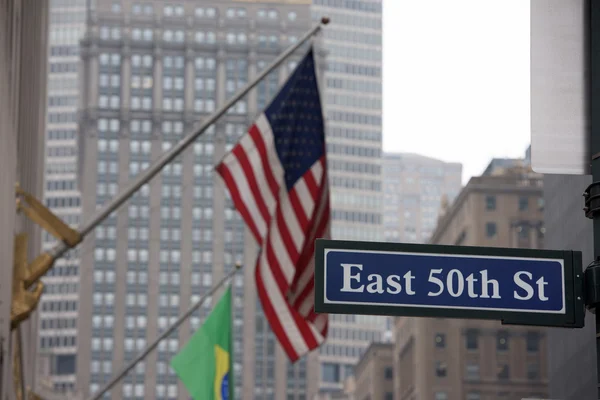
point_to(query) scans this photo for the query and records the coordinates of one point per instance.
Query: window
(330, 372)
(502, 341)
(440, 340)
(472, 371)
(473, 396)
(533, 342)
(490, 203)
(441, 369)
(441, 396)
(389, 373)
(503, 372)
(523, 203)
(471, 339)
(533, 371)
(490, 229)
(389, 396)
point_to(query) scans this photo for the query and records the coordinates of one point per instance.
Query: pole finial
(325, 20)
(238, 265)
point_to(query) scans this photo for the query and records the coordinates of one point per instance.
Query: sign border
(573, 317)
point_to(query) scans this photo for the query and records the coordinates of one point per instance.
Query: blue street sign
(517, 286)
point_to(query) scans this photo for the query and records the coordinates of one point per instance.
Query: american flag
(277, 177)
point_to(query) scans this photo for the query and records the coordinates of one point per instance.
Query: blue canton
(296, 119)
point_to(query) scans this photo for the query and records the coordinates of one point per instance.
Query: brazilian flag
(204, 364)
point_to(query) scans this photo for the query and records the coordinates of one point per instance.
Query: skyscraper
(151, 71)
(59, 305)
(414, 188)
(352, 101)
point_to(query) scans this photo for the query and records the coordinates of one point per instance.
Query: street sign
(559, 125)
(516, 286)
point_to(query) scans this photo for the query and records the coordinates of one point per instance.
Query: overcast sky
(456, 79)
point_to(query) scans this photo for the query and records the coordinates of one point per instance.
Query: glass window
(441, 396)
(502, 341)
(441, 369)
(490, 229)
(533, 371)
(440, 340)
(472, 371)
(533, 342)
(472, 339)
(490, 203)
(330, 372)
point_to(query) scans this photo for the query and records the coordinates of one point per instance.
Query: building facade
(151, 71)
(447, 359)
(375, 373)
(23, 71)
(59, 306)
(352, 101)
(571, 364)
(414, 187)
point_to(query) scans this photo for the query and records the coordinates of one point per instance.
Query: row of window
(179, 36)
(58, 323)
(490, 203)
(62, 117)
(357, 167)
(354, 101)
(61, 185)
(61, 288)
(47, 342)
(356, 216)
(353, 36)
(355, 21)
(63, 67)
(354, 53)
(354, 118)
(177, 10)
(59, 305)
(354, 85)
(353, 69)
(62, 202)
(62, 134)
(62, 83)
(366, 6)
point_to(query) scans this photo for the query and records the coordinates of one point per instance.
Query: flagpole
(166, 333)
(61, 248)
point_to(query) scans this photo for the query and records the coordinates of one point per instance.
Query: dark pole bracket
(592, 200)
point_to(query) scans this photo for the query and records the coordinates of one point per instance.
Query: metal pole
(166, 333)
(21, 363)
(593, 110)
(168, 156)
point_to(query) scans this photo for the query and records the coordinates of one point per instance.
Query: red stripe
(240, 154)
(313, 186)
(298, 209)
(302, 325)
(286, 237)
(269, 310)
(223, 170)
(308, 251)
(259, 142)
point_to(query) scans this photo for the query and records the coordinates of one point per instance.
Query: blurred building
(414, 187)
(151, 71)
(375, 373)
(446, 359)
(58, 309)
(353, 108)
(572, 360)
(23, 71)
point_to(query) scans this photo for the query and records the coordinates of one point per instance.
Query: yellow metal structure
(23, 300)
(41, 215)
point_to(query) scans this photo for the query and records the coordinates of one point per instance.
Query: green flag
(204, 364)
